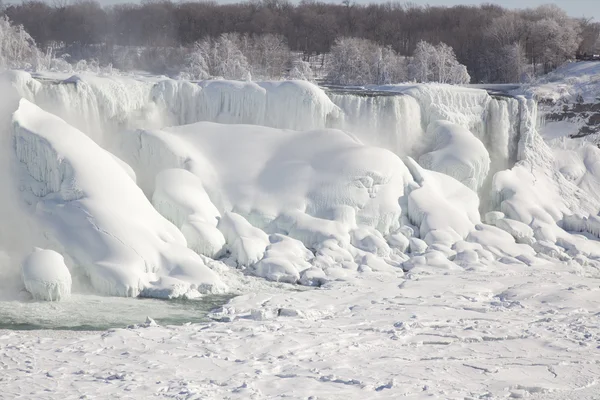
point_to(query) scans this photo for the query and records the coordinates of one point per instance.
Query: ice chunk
(521, 232)
(276, 269)
(417, 246)
(493, 216)
(370, 240)
(46, 277)
(283, 261)
(398, 241)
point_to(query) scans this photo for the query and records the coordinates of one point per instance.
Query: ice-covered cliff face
(397, 118)
(104, 106)
(397, 121)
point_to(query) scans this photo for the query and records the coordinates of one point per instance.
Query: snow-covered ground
(417, 241)
(506, 331)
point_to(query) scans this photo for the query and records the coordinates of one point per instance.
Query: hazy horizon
(575, 8)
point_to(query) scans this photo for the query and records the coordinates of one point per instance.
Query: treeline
(494, 43)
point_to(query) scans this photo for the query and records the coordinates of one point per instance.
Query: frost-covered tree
(220, 57)
(17, 48)
(513, 67)
(301, 70)
(437, 64)
(553, 42)
(355, 61)
(233, 56)
(421, 66)
(267, 55)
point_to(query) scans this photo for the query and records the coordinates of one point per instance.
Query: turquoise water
(88, 312)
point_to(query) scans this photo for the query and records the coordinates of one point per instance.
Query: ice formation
(97, 213)
(144, 181)
(456, 152)
(180, 197)
(46, 277)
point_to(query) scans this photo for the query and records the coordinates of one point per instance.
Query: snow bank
(456, 152)
(97, 213)
(46, 277)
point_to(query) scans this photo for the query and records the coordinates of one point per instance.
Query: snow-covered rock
(46, 277)
(456, 152)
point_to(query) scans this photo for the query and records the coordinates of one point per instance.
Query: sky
(576, 8)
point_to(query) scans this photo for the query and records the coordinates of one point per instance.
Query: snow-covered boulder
(456, 152)
(285, 258)
(493, 216)
(441, 203)
(46, 277)
(520, 231)
(246, 243)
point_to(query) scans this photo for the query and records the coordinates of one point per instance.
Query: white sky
(576, 8)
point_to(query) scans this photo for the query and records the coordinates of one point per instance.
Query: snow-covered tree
(220, 57)
(355, 61)
(421, 67)
(17, 48)
(437, 64)
(512, 66)
(301, 70)
(553, 41)
(267, 55)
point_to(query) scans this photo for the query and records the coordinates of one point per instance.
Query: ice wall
(389, 121)
(104, 106)
(286, 194)
(399, 117)
(398, 120)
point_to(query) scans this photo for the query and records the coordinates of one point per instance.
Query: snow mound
(456, 152)
(246, 243)
(46, 277)
(322, 190)
(97, 213)
(264, 173)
